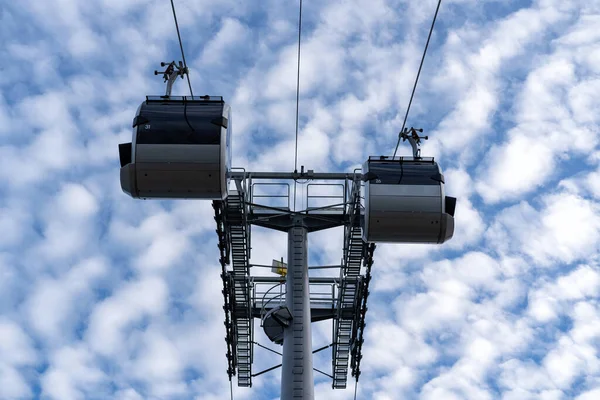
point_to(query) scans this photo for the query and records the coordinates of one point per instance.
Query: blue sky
(103, 296)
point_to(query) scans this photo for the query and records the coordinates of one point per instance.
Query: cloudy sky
(103, 296)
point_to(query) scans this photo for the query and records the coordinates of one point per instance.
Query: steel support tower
(297, 365)
(289, 306)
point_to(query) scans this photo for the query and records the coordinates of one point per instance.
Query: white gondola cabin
(181, 148)
(405, 201)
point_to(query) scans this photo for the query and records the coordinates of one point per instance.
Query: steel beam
(294, 175)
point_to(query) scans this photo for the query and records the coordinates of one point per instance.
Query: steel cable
(187, 74)
(298, 85)
(297, 99)
(418, 74)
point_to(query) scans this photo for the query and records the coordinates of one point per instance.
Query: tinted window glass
(178, 123)
(404, 173)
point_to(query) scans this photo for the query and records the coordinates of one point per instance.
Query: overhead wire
(187, 73)
(298, 86)
(418, 74)
(297, 99)
(408, 110)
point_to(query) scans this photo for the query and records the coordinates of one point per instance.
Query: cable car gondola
(405, 201)
(404, 197)
(181, 148)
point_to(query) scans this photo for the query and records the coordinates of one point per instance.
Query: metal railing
(253, 196)
(240, 182)
(318, 298)
(337, 206)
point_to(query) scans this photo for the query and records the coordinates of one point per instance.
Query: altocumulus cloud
(105, 297)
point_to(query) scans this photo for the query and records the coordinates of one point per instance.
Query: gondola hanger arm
(171, 73)
(414, 139)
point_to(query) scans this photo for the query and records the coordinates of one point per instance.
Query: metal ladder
(226, 277)
(359, 328)
(347, 301)
(240, 254)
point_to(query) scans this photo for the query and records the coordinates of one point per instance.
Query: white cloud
(565, 229)
(516, 167)
(66, 222)
(569, 360)
(408, 350)
(229, 39)
(480, 54)
(160, 365)
(73, 374)
(545, 302)
(128, 305)
(555, 120)
(16, 347)
(592, 181)
(54, 304)
(589, 395)
(13, 384)
(16, 351)
(522, 377)
(469, 225)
